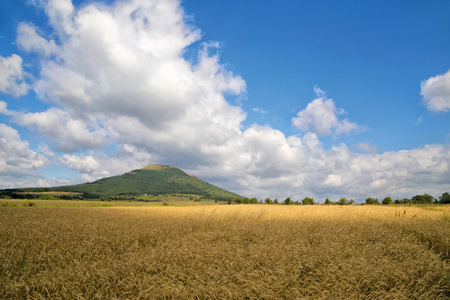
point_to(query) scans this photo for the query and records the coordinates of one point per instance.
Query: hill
(150, 180)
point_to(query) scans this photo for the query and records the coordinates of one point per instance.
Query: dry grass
(216, 252)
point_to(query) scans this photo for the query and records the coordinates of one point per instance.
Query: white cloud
(12, 76)
(96, 164)
(366, 147)
(333, 180)
(71, 134)
(3, 108)
(321, 116)
(436, 92)
(29, 40)
(259, 110)
(18, 164)
(122, 67)
(60, 14)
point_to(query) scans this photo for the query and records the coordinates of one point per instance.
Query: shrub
(445, 198)
(372, 201)
(308, 200)
(343, 201)
(387, 200)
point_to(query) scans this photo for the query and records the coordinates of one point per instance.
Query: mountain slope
(151, 180)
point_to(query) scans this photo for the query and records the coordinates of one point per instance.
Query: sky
(322, 99)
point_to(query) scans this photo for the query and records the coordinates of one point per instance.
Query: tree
(308, 200)
(328, 202)
(445, 198)
(387, 200)
(275, 201)
(238, 201)
(423, 199)
(343, 201)
(246, 200)
(287, 201)
(372, 201)
(254, 201)
(268, 201)
(406, 201)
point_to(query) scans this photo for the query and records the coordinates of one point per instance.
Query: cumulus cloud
(321, 116)
(121, 67)
(436, 92)
(115, 75)
(96, 164)
(29, 40)
(12, 76)
(17, 161)
(4, 108)
(71, 134)
(271, 164)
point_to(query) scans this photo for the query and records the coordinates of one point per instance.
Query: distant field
(51, 193)
(154, 201)
(225, 251)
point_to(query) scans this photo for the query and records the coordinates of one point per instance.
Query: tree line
(417, 199)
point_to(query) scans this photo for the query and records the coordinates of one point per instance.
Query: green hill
(150, 180)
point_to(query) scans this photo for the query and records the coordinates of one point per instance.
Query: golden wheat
(217, 252)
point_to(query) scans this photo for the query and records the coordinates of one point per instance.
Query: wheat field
(225, 252)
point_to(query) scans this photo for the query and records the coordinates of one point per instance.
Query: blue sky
(279, 98)
(370, 57)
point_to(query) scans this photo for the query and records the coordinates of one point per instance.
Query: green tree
(445, 198)
(246, 200)
(287, 201)
(275, 201)
(253, 201)
(238, 201)
(268, 201)
(328, 202)
(387, 200)
(308, 200)
(423, 199)
(372, 201)
(343, 201)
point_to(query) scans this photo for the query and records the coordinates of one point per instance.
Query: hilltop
(150, 180)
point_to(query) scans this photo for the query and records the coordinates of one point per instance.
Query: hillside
(150, 180)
